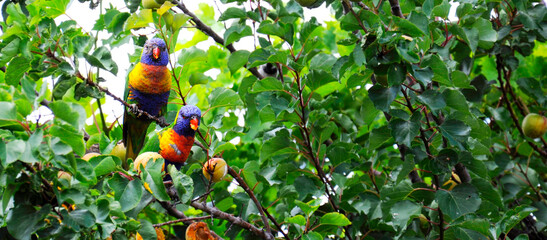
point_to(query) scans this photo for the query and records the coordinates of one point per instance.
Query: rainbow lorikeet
(174, 143)
(147, 88)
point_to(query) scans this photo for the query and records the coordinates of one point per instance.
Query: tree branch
(216, 213)
(173, 211)
(245, 187)
(396, 8)
(501, 73)
(209, 32)
(138, 111)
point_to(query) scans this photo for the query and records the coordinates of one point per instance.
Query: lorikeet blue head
(187, 121)
(155, 52)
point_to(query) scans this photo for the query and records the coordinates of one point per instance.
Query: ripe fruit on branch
(198, 231)
(88, 156)
(64, 175)
(216, 167)
(143, 159)
(534, 125)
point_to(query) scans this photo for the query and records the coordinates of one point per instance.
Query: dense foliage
(391, 121)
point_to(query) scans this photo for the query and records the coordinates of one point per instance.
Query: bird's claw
(161, 121)
(135, 110)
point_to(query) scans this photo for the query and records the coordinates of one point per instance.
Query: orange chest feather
(174, 147)
(150, 79)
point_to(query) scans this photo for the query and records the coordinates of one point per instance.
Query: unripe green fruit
(217, 166)
(168, 18)
(534, 125)
(381, 79)
(151, 4)
(306, 3)
(119, 151)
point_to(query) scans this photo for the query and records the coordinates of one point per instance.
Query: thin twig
(184, 220)
(249, 192)
(501, 73)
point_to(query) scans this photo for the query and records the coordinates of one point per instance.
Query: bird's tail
(134, 135)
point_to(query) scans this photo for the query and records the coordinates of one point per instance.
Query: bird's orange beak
(156, 52)
(194, 124)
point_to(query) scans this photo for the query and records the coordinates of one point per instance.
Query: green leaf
(307, 29)
(440, 71)
(267, 84)
(298, 219)
(197, 78)
(54, 9)
(9, 51)
(487, 191)
(280, 144)
(147, 231)
(487, 35)
(83, 217)
(236, 32)
(455, 99)
(312, 236)
(105, 166)
(139, 20)
(323, 62)
(224, 97)
(153, 178)
(382, 97)
(62, 85)
(480, 225)
(513, 217)
(179, 19)
(403, 212)
(433, 99)
(8, 111)
(463, 199)
(23, 220)
(16, 150)
(334, 218)
(379, 136)
(441, 10)
(404, 131)
(165, 7)
(71, 113)
(319, 78)
(102, 58)
(284, 31)
(16, 69)
(184, 185)
(309, 207)
(233, 12)
(455, 131)
(407, 27)
(70, 136)
(237, 60)
(131, 195)
(223, 147)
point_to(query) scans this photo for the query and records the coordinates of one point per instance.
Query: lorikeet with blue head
(174, 143)
(147, 88)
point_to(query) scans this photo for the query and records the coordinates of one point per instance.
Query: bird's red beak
(194, 124)
(156, 52)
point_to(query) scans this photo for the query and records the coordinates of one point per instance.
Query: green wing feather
(134, 129)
